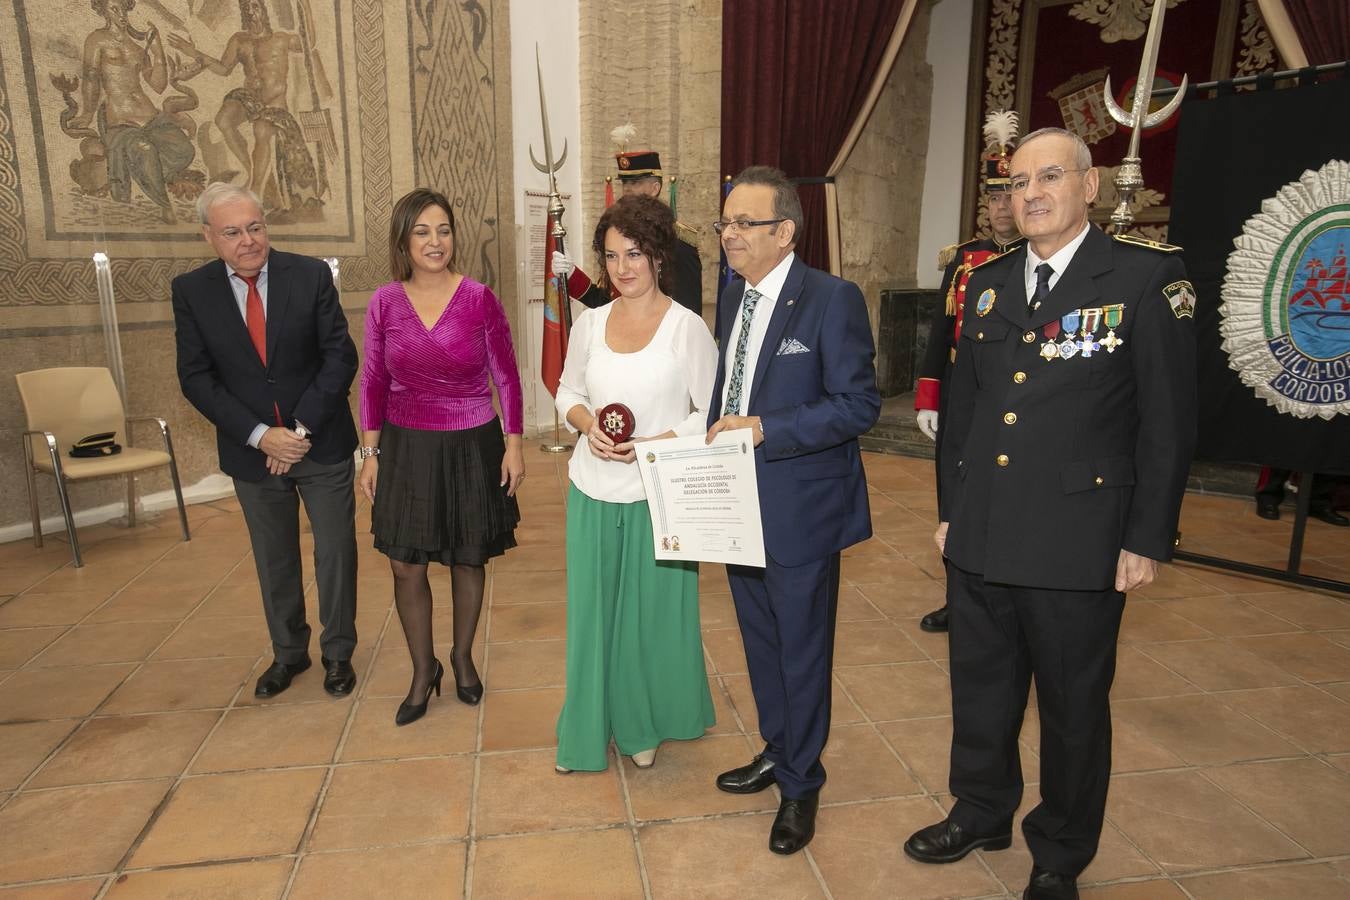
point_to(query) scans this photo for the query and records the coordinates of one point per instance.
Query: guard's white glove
(928, 423)
(562, 265)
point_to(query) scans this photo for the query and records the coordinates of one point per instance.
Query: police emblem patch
(1286, 298)
(1181, 297)
(985, 303)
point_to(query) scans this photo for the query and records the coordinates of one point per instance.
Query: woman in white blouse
(634, 651)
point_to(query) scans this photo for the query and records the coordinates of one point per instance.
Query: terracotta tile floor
(135, 762)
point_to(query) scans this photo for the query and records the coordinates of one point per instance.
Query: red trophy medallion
(616, 421)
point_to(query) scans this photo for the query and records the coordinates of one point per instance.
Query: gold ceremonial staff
(555, 213)
(1130, 175)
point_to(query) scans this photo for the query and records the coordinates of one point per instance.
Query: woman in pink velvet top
(435, 466)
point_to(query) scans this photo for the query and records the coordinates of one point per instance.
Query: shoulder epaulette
(686, 233)
(995, 258)
(1145, 242)
(948, 253)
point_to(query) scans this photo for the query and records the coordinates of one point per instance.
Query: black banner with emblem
(1261, 204)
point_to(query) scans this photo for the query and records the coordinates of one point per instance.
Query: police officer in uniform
(640, 173)
(944, 333)
(1070, 425)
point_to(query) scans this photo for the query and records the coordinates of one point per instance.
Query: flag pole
(557, 446)
(550, 167)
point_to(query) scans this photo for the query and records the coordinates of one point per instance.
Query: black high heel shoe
(411, 712)
(469, 694)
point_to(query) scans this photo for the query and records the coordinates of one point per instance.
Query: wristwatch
(368, 452)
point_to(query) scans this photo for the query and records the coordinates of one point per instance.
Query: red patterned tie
(254, 315)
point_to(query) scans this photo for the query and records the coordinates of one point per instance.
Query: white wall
(949, 55)
(553, 25)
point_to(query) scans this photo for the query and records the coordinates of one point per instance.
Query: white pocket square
(791, 346)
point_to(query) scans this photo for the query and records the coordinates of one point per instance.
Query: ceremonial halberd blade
(1130, 174)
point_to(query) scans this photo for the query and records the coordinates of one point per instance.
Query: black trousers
(272, 512)
(1002, 637)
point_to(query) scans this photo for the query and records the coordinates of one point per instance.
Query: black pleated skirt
(439, 497)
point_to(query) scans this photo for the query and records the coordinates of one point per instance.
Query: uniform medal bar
(1050, 349)
(1112, 315)
(1068, 348)
(1092, 320)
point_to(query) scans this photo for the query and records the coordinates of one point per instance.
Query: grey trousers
(272, 512)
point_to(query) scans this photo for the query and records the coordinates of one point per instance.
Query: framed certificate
(704, 498)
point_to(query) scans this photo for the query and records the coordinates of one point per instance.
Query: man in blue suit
(796, 368)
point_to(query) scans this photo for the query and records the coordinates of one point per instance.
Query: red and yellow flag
(555, 327)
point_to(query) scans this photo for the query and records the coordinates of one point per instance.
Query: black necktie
(1043, 273)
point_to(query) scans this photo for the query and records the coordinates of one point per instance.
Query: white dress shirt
(667, 384)
(240, 288)
(769, 287)
(1059, 261)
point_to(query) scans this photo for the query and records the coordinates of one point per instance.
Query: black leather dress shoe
(749, 779)
(946, 842)
(1267, 507)
(338, 676)
(935, 621)
(1047, 885)
(278, 677)
(795, 825)
(1324, 512)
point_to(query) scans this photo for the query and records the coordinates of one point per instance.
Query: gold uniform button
(1028, 337)
(962, 289)
(1100, 480)
(1002, 459)
(1019, 377)
(980, 336)
(1010, 418)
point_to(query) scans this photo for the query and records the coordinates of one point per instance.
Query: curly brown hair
(647, 222)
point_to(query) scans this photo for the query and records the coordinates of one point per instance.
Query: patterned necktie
(1043, 273)
(735, 387)
(254, 316)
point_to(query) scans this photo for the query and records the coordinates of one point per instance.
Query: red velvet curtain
(1323, 28)
(795, 74)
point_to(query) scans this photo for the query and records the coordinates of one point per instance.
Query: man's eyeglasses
(721, 226)
(255, 231)
(1045, 179)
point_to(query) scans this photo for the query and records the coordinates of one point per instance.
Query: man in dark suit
(1070, 427)
(640, 173)
(796, 368)
(264, 354)
(944, 332)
